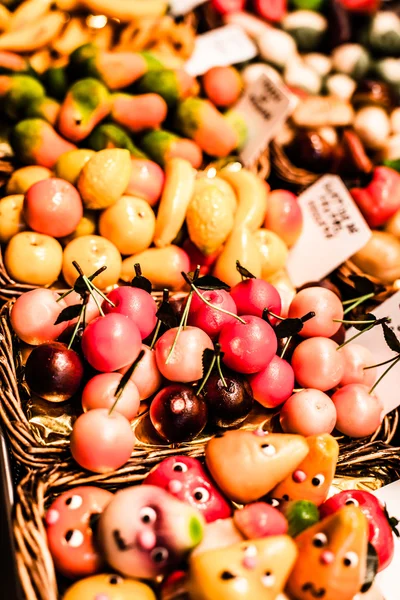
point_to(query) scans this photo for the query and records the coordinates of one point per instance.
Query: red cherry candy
(251, 296)
(99, 392)
(135, 303)
(209, 319)
(273, 385)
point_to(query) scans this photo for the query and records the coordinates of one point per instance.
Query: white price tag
(333, 230)
(220, 47)
(265, 105)
(388, 580)
(182, 7)
(387, 390)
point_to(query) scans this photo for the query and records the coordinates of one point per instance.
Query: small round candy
(317, 364)
(273, 385)
(69, 531)
(309, 412)
(53, 207)
(146, 375)
(355, 359)
(135, 303)
(34, 314)
(211, 320)
(99, 392)
(359, 413)
(251, 296)
(326, 306)
(184, 363)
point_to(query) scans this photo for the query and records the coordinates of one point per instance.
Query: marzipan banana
(252, 194)
(178, 191)
(35, 35)
(126, 10)
(29, 12)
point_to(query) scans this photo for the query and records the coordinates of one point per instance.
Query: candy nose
(249, 562)
(327, 557)
(146, 540)
(174, 486)
(299, 476)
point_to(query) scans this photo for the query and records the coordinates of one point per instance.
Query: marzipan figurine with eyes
(69, 523)
(313, 477)
(246, 465)
(255, 570)
(109, 587)
(146, 532)
(332, 558)
(186, 479)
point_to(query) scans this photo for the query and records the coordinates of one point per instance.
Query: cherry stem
(82, 316)
(385, 362)
(181, 326)
(87, 282)
(207, 375)
(356, 302)
(266, 311)
(356, 335)
(138, 270)
(351, 322)
(124, 380)
(397, 359)
(307, 316)
(286, 346)
(220, 369)
(65, 294)
(157, 331)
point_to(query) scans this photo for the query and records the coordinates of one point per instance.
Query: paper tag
(182, 7)
(265, 105)
(333, 230)
(388, 389)
(220, 47)
(388, 579)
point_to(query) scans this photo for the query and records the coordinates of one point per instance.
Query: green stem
(96, 289)
(181, 325)
(384, 373)
(65, 294)
(207, 375)
(227, 312)
(286, 346)
(157, 331)
(385, 362)
(348, 322)
(269, 312)
(89, 286)
(357, 302)
(75, 329)
(366, 297)
(355, 336)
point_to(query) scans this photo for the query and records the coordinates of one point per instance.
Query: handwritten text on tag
(387, 390)
(333, 230)
(182, 7)
(265, 105)
(220, 47)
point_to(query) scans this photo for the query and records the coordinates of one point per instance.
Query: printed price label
(388, 579)
(333, 230)
(265, 105)
(387, 390)
(221, 47)
(182, 7)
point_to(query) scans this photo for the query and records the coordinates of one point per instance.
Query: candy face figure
(186, 479)
(332, 558)
(109, 587)
(380, 531)
(69, 532)
(145, 531)
(313, 477)
(248, 464)
(255, 570)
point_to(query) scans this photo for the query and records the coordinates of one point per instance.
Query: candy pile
(180, 528)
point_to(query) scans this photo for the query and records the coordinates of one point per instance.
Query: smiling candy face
(69, 531)
(245, 571)
(109, 587)
(145, 531)
(246, 465)
(332, 558)
(313, 477)
(186, 479)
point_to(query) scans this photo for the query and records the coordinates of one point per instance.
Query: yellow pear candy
(22, 179)
(105, 177)
(241, 245)
(70, 164)
(92, 252)
(163, 266)
(273, 251)
(11, 217)
(204, 181)
(248, 570)
(209, 217)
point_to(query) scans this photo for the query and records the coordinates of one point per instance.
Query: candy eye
(180, 467)
(227, 575)
(320, 540)
(351, 501)
(268, 579)
(350, 559)
(159, 555)
(74, 502)
(268, 449)
(200, 494)
(148, 515)
(272, 502)
(115, 580)
(318, 480)
(74, 538)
